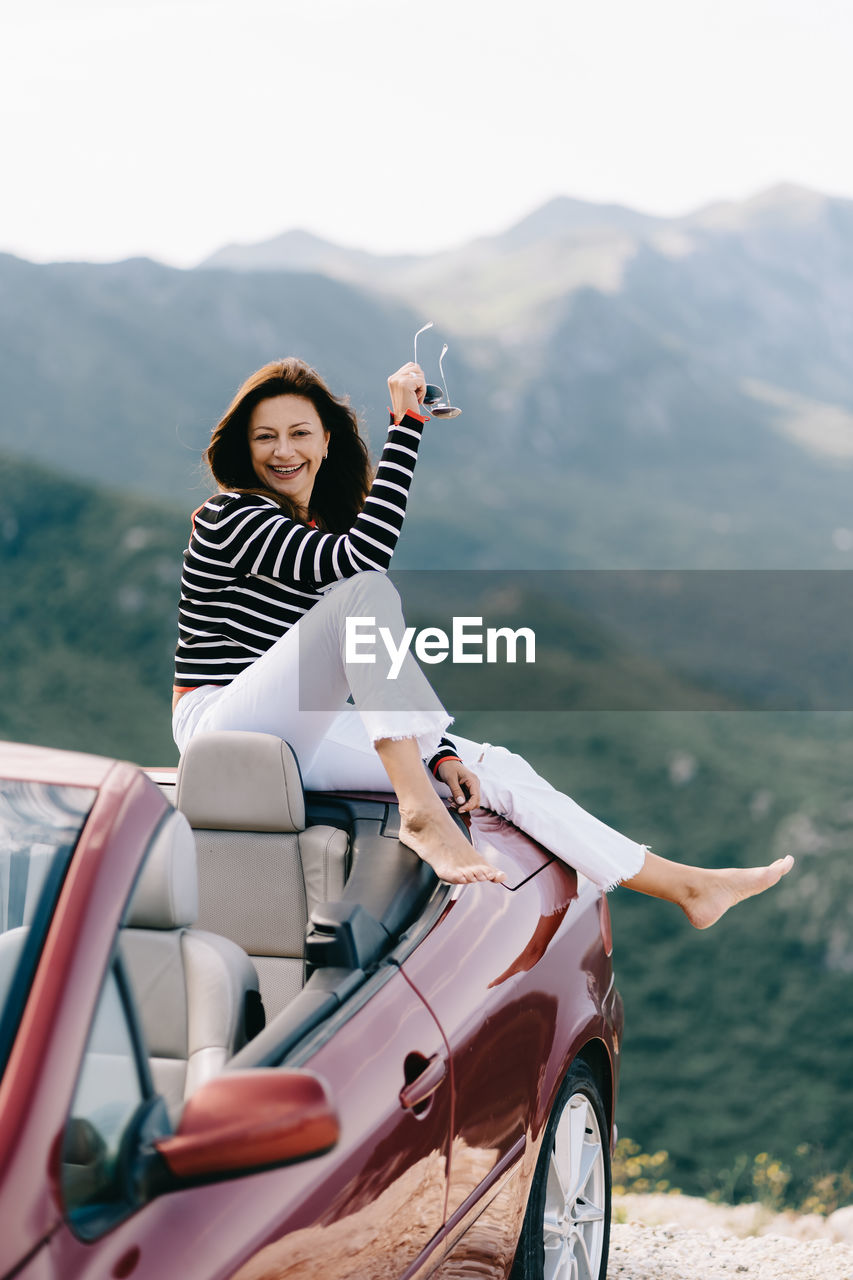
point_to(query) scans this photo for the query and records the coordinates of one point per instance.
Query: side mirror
(244, 1121)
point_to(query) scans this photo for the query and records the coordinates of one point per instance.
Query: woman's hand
(464, 785)
(407, 387)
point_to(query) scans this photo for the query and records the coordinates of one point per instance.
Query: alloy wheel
(574, 1221)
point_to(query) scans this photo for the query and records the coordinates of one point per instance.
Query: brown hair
(341, 484)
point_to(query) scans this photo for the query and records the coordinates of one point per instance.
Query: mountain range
(637, 391)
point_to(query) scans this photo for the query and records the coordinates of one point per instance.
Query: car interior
(259, 909)
(300, 896)
(257, 912)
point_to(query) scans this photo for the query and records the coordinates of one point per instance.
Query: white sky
(170, 127)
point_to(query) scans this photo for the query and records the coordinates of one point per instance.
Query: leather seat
(196, 992)
(261, 872)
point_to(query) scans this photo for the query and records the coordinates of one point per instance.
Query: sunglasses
(439, 407)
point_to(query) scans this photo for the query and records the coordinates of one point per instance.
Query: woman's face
(287, 442)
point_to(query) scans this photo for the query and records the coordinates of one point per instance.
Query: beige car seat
(261, 872)
(195, 992)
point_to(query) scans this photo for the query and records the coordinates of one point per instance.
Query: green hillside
(88, 615)
(738, 1039)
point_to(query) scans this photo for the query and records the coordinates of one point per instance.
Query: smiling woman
(291, 551)
(301, 534)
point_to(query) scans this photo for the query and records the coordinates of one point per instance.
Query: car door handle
(419, 1090)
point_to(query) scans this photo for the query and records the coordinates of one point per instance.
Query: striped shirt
(250, 571)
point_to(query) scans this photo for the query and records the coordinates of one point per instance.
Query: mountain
(783, 205)
(693, 371)
(637, 391)
(300, 250)
(502, 287)
(117, 373)
(485, 287)
(564, 215)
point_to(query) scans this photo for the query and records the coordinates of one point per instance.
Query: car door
(374, 1206)
(370, 1207)
(478, 972)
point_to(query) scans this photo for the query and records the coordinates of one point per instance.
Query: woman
(296, 541)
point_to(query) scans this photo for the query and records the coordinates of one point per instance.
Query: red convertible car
(246, 1033)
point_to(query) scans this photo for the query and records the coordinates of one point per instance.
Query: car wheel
(566, 1231)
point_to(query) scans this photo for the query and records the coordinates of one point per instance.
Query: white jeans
(304, 702)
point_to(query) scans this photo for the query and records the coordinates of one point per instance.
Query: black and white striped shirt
(251, 572)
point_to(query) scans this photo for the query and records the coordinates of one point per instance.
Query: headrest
(166, 893)
(236, 781)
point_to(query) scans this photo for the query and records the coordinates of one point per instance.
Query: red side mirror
(247, 1120)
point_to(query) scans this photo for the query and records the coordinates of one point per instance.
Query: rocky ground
(682, 1238)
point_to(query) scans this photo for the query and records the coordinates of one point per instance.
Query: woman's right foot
(435, 837)
(704, 894)
(717, 891)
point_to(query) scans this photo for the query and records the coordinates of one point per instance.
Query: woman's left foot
(433, 836)
(716, 891)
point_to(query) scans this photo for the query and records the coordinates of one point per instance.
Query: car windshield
(39, 826)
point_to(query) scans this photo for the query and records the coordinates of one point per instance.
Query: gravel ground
(678, 1238)
(672, 1253)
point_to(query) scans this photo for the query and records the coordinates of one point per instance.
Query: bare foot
(436, 838)
(715, 891)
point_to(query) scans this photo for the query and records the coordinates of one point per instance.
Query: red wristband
(410, 413)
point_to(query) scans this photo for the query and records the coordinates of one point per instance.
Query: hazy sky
(169, 127)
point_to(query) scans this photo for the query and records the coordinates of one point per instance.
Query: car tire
(566, 1231)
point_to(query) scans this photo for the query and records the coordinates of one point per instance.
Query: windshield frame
(20, 985)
